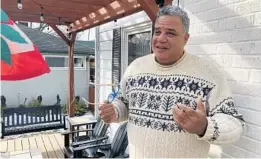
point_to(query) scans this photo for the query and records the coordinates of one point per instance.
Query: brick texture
(229, 33)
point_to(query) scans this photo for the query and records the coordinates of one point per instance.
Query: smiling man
(177, 104)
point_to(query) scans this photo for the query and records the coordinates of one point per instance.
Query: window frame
(64, 56)
(129, 30)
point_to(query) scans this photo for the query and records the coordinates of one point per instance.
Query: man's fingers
(200, 105)
(106, 119)
(177, 113)
(187, 110)
(107, 113)
(107, 116)
(105, 106)
(105, 101)
(106, 109)
(185, 116)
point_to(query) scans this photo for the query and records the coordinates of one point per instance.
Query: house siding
(47, 85)
(229, 33)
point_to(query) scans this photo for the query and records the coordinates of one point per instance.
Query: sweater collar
(172, 65)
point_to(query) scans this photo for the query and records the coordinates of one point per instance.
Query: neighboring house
(225, 31)
(55, 52)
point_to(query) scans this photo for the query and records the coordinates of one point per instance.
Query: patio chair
(99, 130)
(100, 147)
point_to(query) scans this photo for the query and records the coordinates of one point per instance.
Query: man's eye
(171, 34)
(157, 32)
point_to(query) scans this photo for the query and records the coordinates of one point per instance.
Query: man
(177, 104)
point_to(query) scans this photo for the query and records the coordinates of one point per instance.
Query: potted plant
(80, 108)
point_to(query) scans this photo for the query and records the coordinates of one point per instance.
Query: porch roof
(78, 15)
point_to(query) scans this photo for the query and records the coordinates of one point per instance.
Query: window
(92, 69)
(138, 45)
(62, 62)
(56, 61)
(24, 23)
(79, 62)
(135, 42)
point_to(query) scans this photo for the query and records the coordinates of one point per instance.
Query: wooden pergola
(77, 15)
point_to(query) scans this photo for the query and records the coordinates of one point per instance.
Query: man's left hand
(192, 121)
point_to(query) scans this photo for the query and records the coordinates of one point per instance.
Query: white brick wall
(229, 32)
(255, 76)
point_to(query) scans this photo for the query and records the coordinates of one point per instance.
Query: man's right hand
(107, 113)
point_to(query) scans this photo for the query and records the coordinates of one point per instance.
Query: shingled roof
(47, 43)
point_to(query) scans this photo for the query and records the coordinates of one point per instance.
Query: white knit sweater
(148, 93)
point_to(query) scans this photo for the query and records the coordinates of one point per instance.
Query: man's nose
(162, 38)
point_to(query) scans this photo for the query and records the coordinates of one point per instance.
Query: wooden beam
(110, 11)
(133, 7)
(106, 12)
(151, 8)
(124, 4)
(52, 10)
(36, 19)
(95, 3)
(73, 37)
(86, 26)
(60, 33)
(32, 20)
(66, 4)
(71, 105)
(47, 12)
(86, 19)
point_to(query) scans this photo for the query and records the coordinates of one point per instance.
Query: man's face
(168, 39)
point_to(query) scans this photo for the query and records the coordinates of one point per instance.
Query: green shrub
(80, 108)
(64, 108)
(33, 103)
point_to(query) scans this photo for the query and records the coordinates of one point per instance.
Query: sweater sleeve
(225, 124)
(121, 103)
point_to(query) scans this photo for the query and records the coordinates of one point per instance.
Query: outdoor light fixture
(59, 21)
(42, 16)
(115, 24)
(160, 3)
(19, 4)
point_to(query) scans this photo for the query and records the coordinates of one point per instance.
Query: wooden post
(71, 74)
(151, 8)
(70, 42)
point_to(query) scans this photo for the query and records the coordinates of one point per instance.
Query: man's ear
(186, 38)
